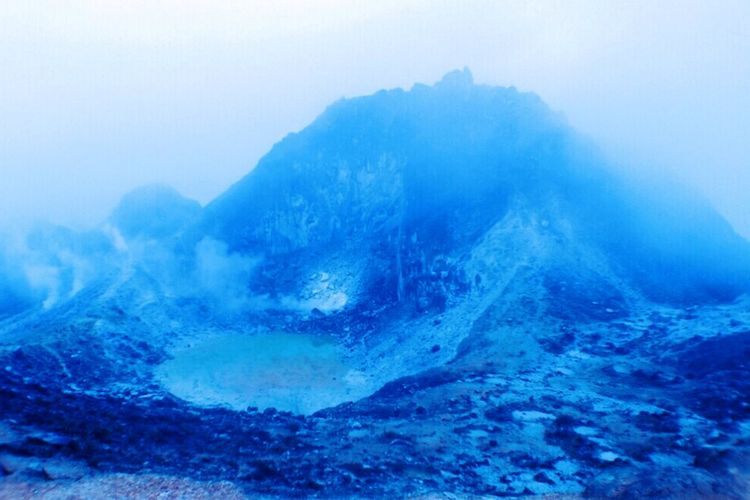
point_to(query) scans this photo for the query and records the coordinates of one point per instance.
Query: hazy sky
(99, 96)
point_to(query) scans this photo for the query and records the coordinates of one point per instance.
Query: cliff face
(414, 178)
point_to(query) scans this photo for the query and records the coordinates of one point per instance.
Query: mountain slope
(440, 290)
(409, 177)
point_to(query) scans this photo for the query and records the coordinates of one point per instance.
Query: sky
(100, 96)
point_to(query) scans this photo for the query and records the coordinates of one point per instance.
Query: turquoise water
(297, 373)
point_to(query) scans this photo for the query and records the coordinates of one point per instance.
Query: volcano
(440, 290)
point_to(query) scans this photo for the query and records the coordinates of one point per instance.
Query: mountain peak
(458, 78)
(154, 210)
(415, 176)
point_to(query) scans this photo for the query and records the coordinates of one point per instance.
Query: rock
(63, 469)
(532, 416)
(609, 456)
(12, 464)
(6, 466)
(541, 477)
(50, 438)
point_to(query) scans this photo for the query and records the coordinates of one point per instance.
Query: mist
(98, 98)
(349, 248)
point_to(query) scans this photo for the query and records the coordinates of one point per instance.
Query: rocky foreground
(649, 406)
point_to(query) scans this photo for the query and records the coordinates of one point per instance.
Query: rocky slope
(412, 177)
(502, 314)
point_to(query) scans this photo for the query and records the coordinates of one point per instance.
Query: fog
(97, 98)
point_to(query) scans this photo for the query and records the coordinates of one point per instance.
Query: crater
(289, 372)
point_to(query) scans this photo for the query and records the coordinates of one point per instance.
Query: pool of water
(297, 373)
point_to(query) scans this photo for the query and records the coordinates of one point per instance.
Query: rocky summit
(441, 292)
